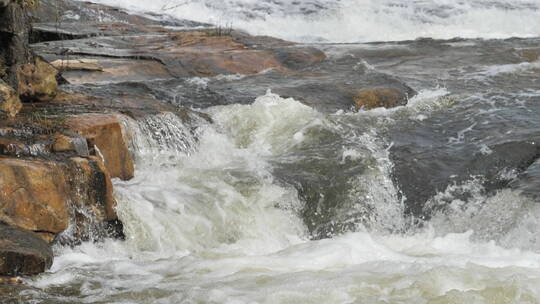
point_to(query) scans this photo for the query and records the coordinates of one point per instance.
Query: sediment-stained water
(280, 202)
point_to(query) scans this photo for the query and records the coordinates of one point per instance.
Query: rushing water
(278, 202)
(358, 20)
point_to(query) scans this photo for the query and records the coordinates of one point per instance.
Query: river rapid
(280, 202)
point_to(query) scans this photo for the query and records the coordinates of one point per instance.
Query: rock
(111, 70)
(530, 55)
(34, 195)
(421, 174)
(299, 57)
(10, 104)
(380, 97)
(63, 143)
(22, 252)
(37, 81)
(14, 48)
(105, 132)
(48, 196)
(77, 65)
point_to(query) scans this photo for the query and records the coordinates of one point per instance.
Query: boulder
(34, 195)
(10, 104)
(48, 196)
(104, 132)
(37, 81)
(379, 97)
(22, 252)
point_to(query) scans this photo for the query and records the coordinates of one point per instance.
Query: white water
(357, 20)
(207, 222)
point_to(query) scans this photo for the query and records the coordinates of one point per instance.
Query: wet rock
(103, 70)
(104, 132)
(14, 48)
(297, 58)
(422, 174)
(77, 65)
(37, 81)
(42, 32)
(379, 97)
(48, 196)
(10, 104)
(22, 252)
(183, 54)
(34, 195)
(63, 143)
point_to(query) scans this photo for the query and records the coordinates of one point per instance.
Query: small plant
(221, 30)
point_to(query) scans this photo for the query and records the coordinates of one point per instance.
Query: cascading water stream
(213, 217)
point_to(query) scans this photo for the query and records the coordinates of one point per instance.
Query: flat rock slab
(22, 252)
(107, 70)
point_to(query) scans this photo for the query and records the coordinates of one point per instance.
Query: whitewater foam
(357, 20)
(207, 222)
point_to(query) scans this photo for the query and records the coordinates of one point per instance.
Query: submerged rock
(22, 252)
(380, 97)
(421, 175)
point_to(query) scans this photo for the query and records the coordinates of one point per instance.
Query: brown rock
(62, 143)
(34, 195)
(77, 65)
(47, 196)
(105, 132)
(379, 97)
(37, 82)
(111, 70)
(22, 252)
(9, 101)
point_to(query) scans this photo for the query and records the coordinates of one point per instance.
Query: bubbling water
(207, 221)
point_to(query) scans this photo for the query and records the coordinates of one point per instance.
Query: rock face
(22, 252)
(31, 77)
(14, 35)
(10, 104)
(48, 196)
(104, 132)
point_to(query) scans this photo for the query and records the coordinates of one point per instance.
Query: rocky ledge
(63, 102)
